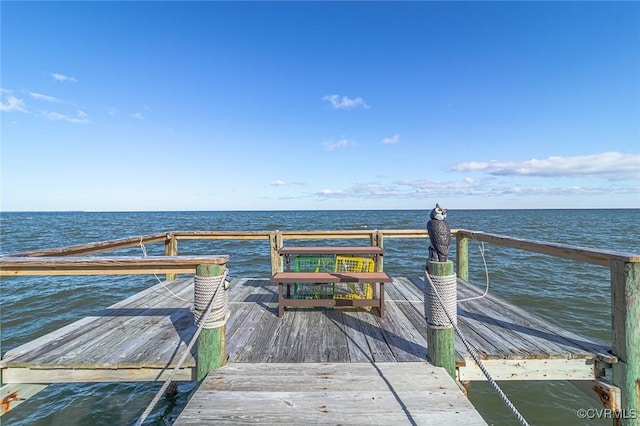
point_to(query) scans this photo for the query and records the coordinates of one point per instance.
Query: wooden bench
(289, 278)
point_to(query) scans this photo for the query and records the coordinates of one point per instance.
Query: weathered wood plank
(162, 326)
(311, 393)
(14, 394)
(403, 339)
(370, 327)
(529, 369)
(321, 250)
(77, 343)
(94, 375)
(530, 328)
(566, 251)
(357, 345)
(103, 265)
(331, 277)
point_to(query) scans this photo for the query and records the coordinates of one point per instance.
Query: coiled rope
(445, 287)
(205, 291)
(201, 326)
(475, 357)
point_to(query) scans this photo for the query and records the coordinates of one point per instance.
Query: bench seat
(331, 277)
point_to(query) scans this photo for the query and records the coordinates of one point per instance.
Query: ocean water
(571, 294)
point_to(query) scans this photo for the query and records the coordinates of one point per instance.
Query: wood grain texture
(105, 265)
(142, 337)
(328, 393)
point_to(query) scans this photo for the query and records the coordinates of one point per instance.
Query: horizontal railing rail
(581, 254)
(103, 265)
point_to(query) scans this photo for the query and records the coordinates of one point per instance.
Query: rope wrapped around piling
(204, 289)
(433, 309)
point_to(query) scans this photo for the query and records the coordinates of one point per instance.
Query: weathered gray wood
(143, 336)
(15, 394)
(170, 249)
(320, 250)
(105, 265)
(403, 339)
(529, 369)
(331, 277)
(311, 393)
(582, 254)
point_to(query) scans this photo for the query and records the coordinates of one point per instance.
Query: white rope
(187, 351)
(206, 289)
(475, 357)
(144, 254)
(445, 287)
(486, 272)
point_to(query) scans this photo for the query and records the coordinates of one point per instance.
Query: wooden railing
(102, 265)
(624, 269)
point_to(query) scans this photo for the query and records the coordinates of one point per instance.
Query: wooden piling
(625, 315)
(211, 343)
(441, 341)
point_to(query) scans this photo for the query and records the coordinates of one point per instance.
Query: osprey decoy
(439, 235)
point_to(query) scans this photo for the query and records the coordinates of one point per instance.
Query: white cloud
(486, 187)
(46, 98)
(279, 182)
(62, 78)
(138, 116)
(81, 117)
(345, 102)
(392, 140)
(609, 165)
(342, 143)
(10, 103)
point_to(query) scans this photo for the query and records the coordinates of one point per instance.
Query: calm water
(571, 294)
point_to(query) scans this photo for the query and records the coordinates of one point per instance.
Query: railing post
(462, 256)
(440, 332)
(377, 240)
(171, 249)
(211, 352)
(275, 243)
(625, 317)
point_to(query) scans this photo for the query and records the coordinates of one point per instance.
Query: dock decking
(142, 337)
(329, 393)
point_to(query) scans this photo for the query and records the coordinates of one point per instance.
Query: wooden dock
(143, 337)
(398, 393)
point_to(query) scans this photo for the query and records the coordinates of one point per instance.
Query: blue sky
(126, 106)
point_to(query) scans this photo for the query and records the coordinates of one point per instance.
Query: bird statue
(439, 235)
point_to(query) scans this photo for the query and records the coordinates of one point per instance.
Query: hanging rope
(166, 384)
(486, 272)
(144, 254)
(475, 357)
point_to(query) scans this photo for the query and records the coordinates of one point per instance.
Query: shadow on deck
(142, 337)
